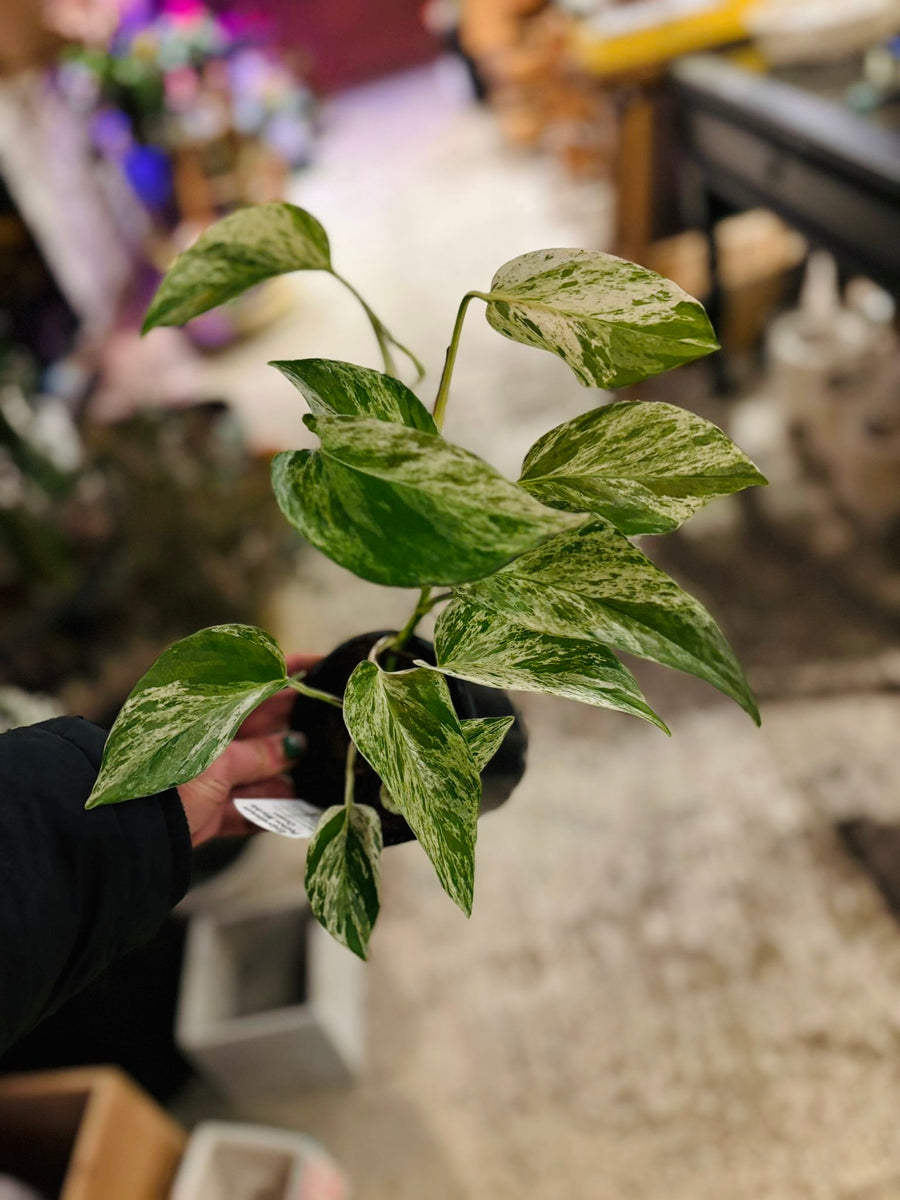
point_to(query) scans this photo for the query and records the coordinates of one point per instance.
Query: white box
(270, 1004)
(230, 1161)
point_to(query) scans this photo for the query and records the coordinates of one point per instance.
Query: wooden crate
(87, 1134)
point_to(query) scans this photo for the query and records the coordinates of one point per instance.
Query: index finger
(301, 662)
(272, 715)
(252, 760)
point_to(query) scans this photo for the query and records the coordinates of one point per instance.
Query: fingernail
(294, 744)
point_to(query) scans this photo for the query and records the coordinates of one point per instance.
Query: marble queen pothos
(540, 582)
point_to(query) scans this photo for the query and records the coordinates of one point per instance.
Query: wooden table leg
(635, 174)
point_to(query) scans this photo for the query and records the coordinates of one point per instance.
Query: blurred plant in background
(163, 87)
(113, 538)
(39, 455)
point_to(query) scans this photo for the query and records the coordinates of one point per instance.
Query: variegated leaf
(186, 709)
(646, 467)
(241, 250)
(486, 647)
(343, 869)
(613, 322)
(593, 583)
(385, 797)
(405, 508)
(405, 725)
(333, 389)
(483, 736)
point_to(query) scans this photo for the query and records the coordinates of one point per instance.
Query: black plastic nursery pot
(319, 775)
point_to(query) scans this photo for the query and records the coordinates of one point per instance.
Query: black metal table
(753, 140)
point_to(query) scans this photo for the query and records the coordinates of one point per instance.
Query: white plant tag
(290, 818)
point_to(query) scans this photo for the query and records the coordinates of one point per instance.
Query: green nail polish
(294, 745)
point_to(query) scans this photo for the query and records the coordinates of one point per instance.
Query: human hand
(253, 765)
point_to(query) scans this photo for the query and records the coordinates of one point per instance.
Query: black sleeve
(78, 889)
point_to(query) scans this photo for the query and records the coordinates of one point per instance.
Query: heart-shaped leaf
(241, 250)
(333, 389)
(592, 583)
(186, 709)
(490, 648)
(483, 736)
(646, 467)
(405, 725)
(343, 869)
(405, 508)
(613, 322)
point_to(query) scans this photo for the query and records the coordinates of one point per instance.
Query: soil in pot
(319, 776)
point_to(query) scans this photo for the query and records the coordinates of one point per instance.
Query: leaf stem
(440, 402)
(422, 607)
(382, 336)
(436, 600)
(381, 644)
(384, 345)
(377, 328)
(349, 775)
(390, 366)
(314, 693)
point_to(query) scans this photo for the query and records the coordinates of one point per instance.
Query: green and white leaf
(405, 508)
(186, 709)
(493, 649)
(645, 466)
(333, 389)
(343, 870)
(613, 322)
(406, 726)
(241, 250)
(592, 583)
(484, 736)
(385, 797)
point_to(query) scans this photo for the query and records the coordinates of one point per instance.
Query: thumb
(251, 760)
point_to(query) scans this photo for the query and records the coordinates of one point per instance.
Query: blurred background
(682, 976)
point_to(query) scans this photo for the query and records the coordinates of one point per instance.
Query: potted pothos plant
(537, 580)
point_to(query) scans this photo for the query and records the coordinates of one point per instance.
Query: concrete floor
(674, 985)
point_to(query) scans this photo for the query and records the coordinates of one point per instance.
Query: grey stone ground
(675, 986)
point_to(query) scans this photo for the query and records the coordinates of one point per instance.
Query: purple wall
(343, 42)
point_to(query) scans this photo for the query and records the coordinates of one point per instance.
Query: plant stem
(314, 693)
(382, 644)
(390, 367)
(349, 775)
(384, 339)
(377, 327)
(417, 614)
(440, 403)
(424, 605)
